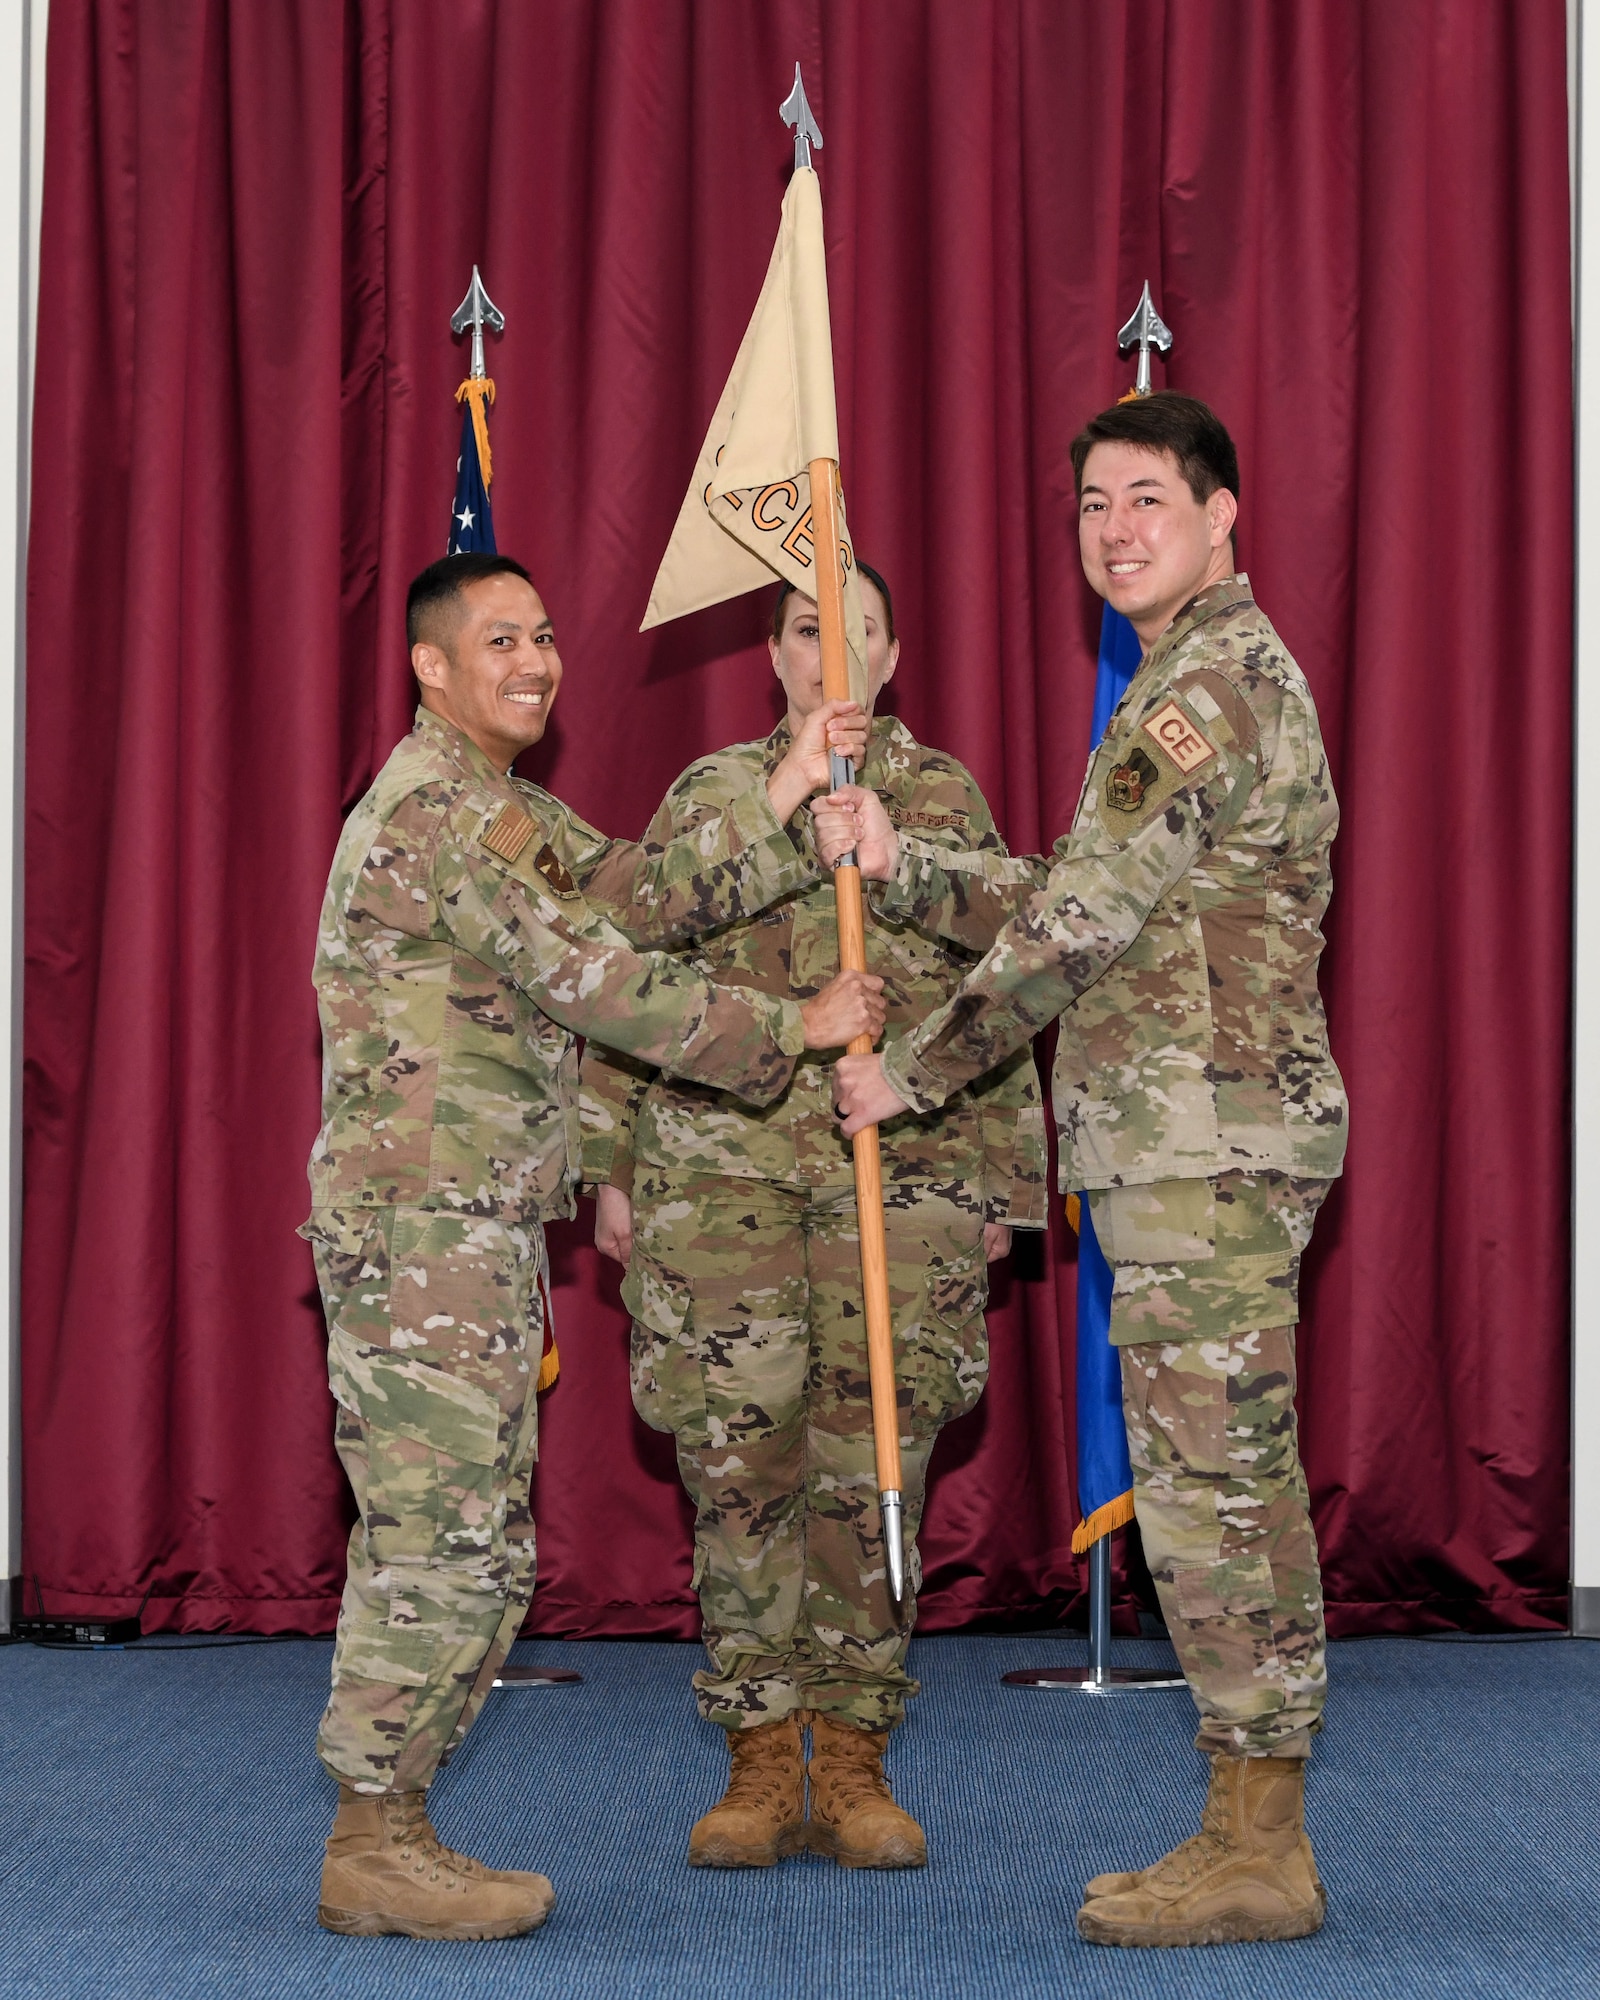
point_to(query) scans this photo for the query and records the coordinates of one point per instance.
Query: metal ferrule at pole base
(842, 772)
(894, 1544)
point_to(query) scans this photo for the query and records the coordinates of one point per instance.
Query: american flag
(471, 520)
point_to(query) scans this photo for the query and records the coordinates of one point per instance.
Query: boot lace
(1190, 1858)
(853, 1777)
(1201, 1851)
(759, 1780)
(420, 1848)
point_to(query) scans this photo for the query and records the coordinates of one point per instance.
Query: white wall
(1583, 24)
(22, 39)
(1584, 73)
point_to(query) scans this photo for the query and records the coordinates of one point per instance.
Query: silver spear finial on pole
(1145, 327)
(478, 311)
(796, 110)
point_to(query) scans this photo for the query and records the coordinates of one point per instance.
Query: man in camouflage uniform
(464, 942)
(1175, 933)
(744, 1281)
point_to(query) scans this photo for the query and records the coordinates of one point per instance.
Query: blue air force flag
(1105, 1477)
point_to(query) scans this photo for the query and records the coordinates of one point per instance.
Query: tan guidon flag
(747, 515)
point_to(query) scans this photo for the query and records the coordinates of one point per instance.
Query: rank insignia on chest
(508, 833)
(1128, 783)
(551, 867)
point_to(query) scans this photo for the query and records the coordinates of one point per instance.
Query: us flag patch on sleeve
(509, 833)
(1172, 730)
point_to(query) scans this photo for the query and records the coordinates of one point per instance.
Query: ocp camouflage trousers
(749, 1342)
(1219, 1492)
(435, 1325)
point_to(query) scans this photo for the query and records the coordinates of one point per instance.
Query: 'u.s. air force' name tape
(904, 816)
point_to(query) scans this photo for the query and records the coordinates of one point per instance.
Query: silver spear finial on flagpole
(478, 311)
(796, 110)
(1145, 327)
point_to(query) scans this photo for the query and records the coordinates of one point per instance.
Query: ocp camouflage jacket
(1176, 932)
(460, 952)
(991, 1134)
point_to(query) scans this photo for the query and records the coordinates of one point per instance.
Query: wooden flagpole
(853, 958)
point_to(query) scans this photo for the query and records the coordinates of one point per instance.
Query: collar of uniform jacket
(1226, 594)
(460, 748)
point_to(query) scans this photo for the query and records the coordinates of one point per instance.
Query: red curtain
(257, 222)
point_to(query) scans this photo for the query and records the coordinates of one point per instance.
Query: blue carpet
(161, 1821)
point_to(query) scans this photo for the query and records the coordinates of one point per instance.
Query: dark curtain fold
(257, 222)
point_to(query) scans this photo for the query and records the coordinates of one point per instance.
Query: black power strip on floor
(86, 1632)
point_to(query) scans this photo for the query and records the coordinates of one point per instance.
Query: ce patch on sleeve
(1139, 785)
(1182, 741)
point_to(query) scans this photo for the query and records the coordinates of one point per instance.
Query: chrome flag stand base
(537, 1677)
(1099, 1677)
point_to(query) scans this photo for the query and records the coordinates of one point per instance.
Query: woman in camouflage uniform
(738, 1229)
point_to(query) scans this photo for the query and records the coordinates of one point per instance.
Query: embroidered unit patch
(550, 866)
(509, 834)
(1125, 788)
(1178, 736)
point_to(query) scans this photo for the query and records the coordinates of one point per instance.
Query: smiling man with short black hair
(473, 926)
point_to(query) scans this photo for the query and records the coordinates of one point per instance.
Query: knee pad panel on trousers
(433, 1445)
(1178, 1525)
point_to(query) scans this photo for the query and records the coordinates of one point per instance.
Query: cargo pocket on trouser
(1232, 1587)
(669, 1389)
(1160, 1240)
(946, 1351)
(350, 1249)
(430, 1571)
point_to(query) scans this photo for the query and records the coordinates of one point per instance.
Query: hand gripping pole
(853, 958)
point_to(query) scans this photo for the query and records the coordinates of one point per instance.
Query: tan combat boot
(1247, 1875)
(853, 1814)
(761, 1817)
(386, 1872)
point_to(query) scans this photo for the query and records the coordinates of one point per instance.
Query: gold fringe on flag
(550, 1359)
(1114, 1514)
(479, 390)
